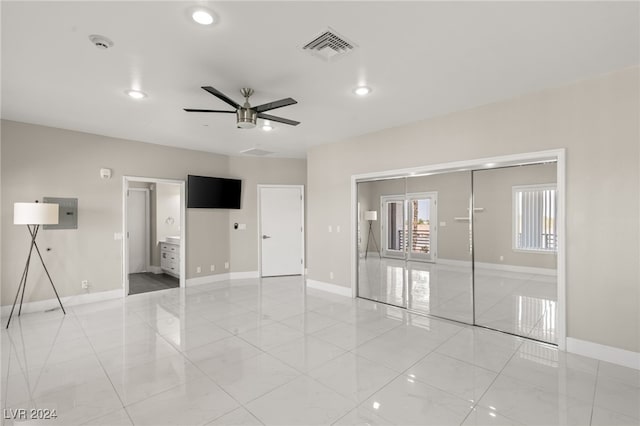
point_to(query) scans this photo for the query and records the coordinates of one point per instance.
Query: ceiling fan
(246, 115)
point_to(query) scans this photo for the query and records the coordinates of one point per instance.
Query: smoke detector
(101, 42)
(256, 152)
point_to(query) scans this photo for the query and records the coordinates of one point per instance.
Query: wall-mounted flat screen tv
(213, 193)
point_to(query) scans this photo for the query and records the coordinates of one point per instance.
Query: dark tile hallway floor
(146, 281)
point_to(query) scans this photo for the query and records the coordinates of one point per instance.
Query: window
(534, 218)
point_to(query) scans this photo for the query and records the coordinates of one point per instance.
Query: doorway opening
(153, 224)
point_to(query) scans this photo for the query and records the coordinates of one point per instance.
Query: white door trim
(147, 229)
(384, 232)
(475, 164)
(259, 236)
(183, 227)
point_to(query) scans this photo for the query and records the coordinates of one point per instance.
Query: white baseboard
(154, 269)
(499, 267)
(604, 353)
(207, 279)
(330, 288)
(515, 268)
(244, 275)
(80, 299)
(454, 262)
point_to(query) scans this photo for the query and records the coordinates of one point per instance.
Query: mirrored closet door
(515, 250)
(475, 246)
(414, 245)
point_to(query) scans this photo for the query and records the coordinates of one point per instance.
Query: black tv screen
(213, 193)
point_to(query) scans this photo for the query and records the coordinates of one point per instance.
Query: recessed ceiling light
(267, 127)
(202, 17)
(135, 94)
(362, 90)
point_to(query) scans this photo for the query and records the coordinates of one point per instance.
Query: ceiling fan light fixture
(202, 17)
(266, 126)
(362, 90)
(246, 118)
(135, 94)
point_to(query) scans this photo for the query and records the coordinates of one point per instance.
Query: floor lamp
(371, 216)
(33, 215)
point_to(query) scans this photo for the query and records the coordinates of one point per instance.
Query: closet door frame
(557, 155)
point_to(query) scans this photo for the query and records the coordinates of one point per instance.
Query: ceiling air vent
(329, 45)
(256, 151)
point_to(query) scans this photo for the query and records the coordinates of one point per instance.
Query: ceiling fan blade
(278, 119)
(207, 110)
(221, 96)
(277, 104)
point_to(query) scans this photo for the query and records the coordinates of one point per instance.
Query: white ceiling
(422, 59)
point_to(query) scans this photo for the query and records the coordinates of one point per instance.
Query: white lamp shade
(35, 214)
(371, 215)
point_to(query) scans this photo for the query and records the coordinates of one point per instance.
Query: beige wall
(167, 206)
(254, 171)
(493, 233)
(40, 161)
(596, 120)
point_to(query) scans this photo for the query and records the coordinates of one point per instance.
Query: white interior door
(281, 230)
(137, 214)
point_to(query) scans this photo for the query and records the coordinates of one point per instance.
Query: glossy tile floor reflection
(250, 353)
(523, 304)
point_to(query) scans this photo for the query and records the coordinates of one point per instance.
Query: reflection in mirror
(381, 266)
(439, 253)
(516, 250)
(422, 226)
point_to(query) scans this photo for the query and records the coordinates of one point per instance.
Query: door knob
(264, 237)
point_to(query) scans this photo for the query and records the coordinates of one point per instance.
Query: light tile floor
(253, 352)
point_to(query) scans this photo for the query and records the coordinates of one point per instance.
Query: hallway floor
(251, 352)
(144, 282)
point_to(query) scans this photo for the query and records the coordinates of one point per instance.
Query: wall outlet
(330, 228)
(198, 269)
(330, 275)
(337, 228)
(501, 258)
(213, 268)
(85, 284)
(226, 265)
